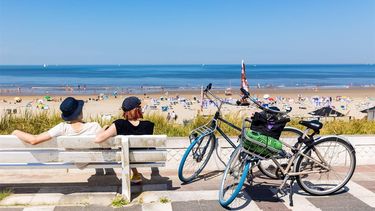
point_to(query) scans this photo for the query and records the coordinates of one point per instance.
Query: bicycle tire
(269, 168)
(299, 165)
(211, 143)
(243, 168)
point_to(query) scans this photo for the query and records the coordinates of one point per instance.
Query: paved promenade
(81, 190)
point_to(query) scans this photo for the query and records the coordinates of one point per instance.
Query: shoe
(136, 178)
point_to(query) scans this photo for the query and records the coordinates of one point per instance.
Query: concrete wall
(364, 146)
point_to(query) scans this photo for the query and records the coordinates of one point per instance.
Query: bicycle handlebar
(246, 95)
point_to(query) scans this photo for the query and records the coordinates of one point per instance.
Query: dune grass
(5, 193)
(39, 122)
(119, 201)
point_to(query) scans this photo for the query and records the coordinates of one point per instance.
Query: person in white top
(73, 126)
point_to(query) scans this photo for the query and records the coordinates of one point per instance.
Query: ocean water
(56, 77)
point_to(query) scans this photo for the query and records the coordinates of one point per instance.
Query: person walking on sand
(132, 124)
(168, 116)
(173, 115)
(73, 124)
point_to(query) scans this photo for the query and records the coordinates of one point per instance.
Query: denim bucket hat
(71, 108)
(130, 103)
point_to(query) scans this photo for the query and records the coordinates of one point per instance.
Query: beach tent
(164, 108)
(326, 111)
(370, 113)
(48, 98)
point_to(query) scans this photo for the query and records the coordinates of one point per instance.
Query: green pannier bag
(260, 144)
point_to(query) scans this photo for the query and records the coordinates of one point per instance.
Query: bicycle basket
(260, 145)
(202, 131)
(268, 124)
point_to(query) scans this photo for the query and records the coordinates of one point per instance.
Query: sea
(107, 78)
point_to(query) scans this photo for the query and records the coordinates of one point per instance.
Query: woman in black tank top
(130, 125)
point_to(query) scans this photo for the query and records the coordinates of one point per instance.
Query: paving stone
(157, 207)
(88, 199)
(44, 198)
(265, 198)
(130, 208)
(210, 205)
(343, 201)
(17, 199)
(370, 185)
(78, 189)
(39, 208)
(95, 208)
(69, 208)
(186, 205)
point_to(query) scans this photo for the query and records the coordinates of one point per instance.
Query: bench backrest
(82, 149)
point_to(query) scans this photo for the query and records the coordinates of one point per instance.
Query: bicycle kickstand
(292, 179)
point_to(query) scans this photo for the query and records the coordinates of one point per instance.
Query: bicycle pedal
(282, 192)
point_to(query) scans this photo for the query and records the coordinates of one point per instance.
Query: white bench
(68, 151)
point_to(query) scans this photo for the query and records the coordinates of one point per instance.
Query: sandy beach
(186, 104)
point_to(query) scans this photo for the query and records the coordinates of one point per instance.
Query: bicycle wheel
(234, 176)
(339, 156)
(289, 135)
(196, 157)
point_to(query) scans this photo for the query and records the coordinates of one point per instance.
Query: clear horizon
(171, 64)
(177, 33)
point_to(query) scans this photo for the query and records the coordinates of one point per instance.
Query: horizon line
(203, 64)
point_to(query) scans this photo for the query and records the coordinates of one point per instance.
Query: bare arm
(104, 128)
(104, 135)
(31, 139)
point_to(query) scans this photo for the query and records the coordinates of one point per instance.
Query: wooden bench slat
(46, 156)
(84, 142)
(72, 165)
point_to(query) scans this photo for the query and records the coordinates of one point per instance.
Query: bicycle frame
(298, 149)
(217, 117)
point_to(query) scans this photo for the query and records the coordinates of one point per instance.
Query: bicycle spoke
(334, 153)
(232, 178)
(197, 158)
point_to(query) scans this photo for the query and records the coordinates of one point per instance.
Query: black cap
(71, 108)
(130, 103)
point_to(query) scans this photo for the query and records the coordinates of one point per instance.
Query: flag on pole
(202, 98)
(244, 83)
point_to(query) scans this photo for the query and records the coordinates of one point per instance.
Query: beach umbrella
(367, 110)
(326, 111)
(48, 98)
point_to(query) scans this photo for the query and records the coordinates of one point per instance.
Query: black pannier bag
(268, 124)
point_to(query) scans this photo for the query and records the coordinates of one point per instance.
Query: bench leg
(125, 164)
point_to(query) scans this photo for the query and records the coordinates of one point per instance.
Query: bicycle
(203, 142)
(311, 163)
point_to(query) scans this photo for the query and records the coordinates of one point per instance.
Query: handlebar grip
(208, 87)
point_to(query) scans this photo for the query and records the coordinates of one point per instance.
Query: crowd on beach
(180, 108)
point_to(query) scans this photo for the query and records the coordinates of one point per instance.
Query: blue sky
(185, 32)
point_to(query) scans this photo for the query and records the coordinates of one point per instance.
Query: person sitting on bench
(73, 126)
(130, 125)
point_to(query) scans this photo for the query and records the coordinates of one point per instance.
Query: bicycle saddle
(313, 124)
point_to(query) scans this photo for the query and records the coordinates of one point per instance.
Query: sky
(187, 32)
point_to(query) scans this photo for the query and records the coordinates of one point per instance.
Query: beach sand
(352, 102)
